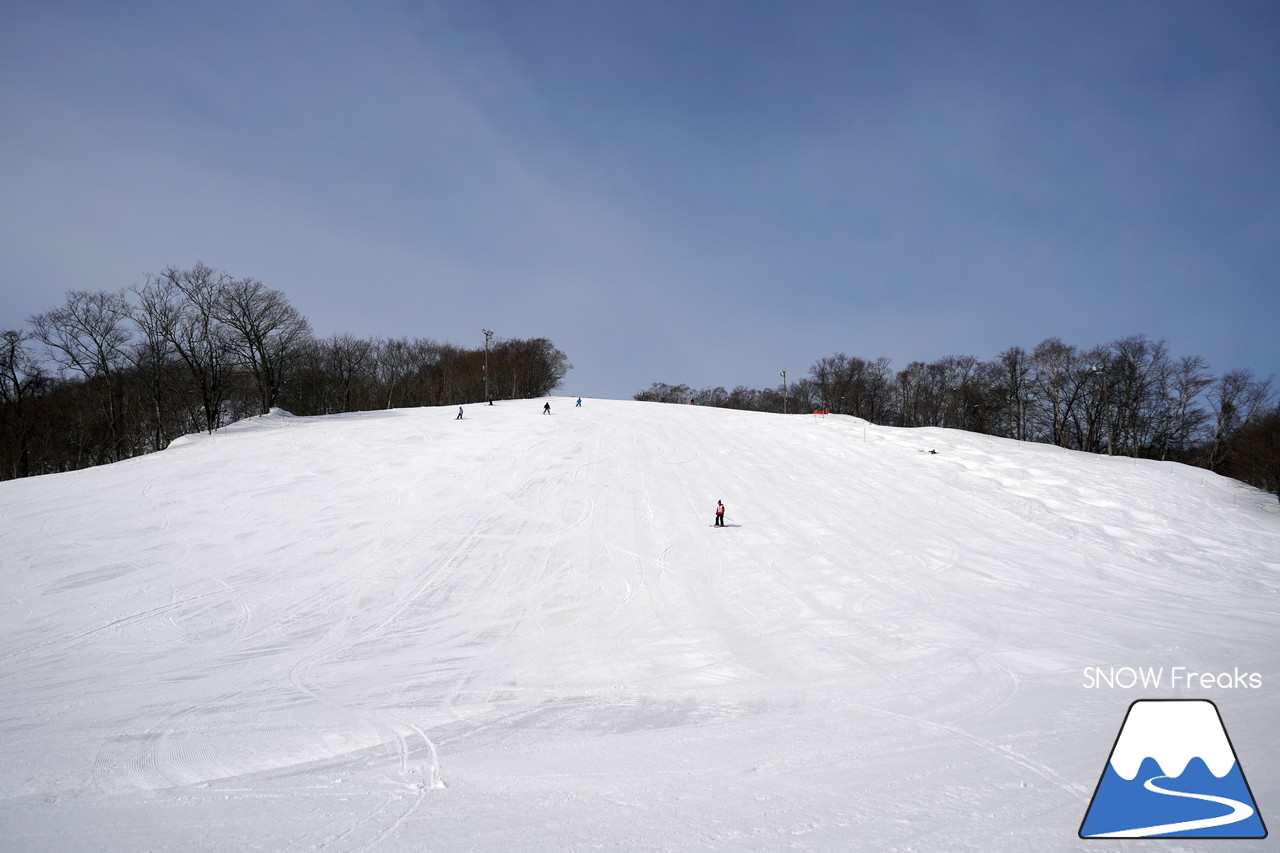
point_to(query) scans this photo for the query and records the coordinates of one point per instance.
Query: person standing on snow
(459, 417)
(546, 408)
(719, 513)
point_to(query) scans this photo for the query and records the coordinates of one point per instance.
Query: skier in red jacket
(719, 513)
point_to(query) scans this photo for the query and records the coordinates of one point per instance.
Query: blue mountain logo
(1173, 773)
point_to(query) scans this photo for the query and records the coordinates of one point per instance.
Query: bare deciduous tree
(264, 331)
(198, 337)
(1257, 452)
(1187, 379)
(20, 379)
(1013, 379)
(91, 335)
(1237, 398)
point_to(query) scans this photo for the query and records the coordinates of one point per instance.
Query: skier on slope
(546, 408)
(719, 514)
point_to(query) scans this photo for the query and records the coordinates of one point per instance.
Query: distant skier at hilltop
(719, 514)
(546, 408)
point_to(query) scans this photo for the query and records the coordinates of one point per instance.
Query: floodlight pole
(783, 374)
(488, 335)
(1106, 412)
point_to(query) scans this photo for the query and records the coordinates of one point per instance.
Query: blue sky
(703, 192)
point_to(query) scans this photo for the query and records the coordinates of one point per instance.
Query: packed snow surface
(398, 631)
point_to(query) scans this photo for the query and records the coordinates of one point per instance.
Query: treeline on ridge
(1130, 397)
(114, 374)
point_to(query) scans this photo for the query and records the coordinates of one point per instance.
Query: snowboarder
(459, 417)
(546, 408)
(579, 406)
(719, 513)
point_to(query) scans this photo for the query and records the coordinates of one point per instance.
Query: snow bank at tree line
(396, 631)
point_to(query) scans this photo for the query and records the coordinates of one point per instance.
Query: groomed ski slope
(396, 631)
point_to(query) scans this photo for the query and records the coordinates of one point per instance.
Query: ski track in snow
(393, 630)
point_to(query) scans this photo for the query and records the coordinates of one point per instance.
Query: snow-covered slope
(399, 631)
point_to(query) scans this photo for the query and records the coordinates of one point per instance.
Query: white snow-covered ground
(396, 631)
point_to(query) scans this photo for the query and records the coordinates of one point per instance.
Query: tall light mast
(488, 336)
